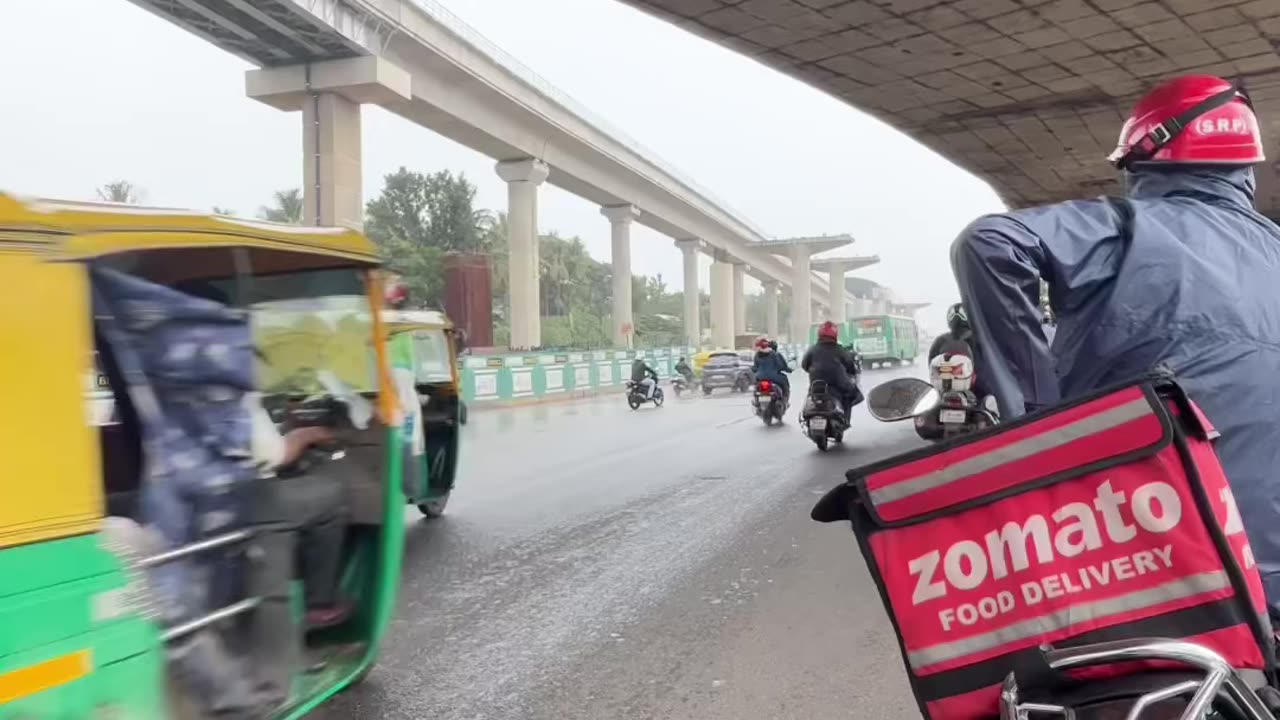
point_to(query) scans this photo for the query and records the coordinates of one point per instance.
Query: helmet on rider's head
(957, 318)
(397, 292)
(762, 343)
(1193, 119)
(828, 331)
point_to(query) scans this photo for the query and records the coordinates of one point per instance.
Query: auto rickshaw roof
(402, 320)
(99, 229)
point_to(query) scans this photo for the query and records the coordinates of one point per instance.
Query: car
(724, 369)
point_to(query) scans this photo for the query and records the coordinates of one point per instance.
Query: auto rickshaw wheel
(434, 508)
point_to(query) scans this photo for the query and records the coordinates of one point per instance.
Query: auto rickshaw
(424, 348)
(85, 629)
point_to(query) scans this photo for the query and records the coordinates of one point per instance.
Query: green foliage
(419, 218)
(286, 207)
(120, 191)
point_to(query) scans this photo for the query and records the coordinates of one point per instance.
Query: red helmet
(1191, 119)
(397, 292)
(762, 343)
(828, 331)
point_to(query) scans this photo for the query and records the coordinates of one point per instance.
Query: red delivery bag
(1104, 519)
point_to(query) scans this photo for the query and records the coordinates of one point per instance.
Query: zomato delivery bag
(1104, 519)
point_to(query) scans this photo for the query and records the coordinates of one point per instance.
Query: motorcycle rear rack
(1219, 679)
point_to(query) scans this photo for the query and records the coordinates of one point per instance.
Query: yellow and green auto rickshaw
(424, 356)
(88, 626)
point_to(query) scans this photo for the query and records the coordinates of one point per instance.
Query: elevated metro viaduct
(326, 58)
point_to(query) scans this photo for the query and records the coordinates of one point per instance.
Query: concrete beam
(771, 308)
(332, 171)
(721, 301)
(524, 304)
(362, 80)
(739, 298)
(692, 296)
(620, 219)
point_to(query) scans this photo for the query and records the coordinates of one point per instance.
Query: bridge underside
(1027, 94)
(278, 32)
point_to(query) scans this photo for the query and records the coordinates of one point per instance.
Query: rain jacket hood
(1180, 273)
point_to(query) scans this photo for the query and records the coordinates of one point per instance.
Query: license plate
(953, 417)
(818, 424)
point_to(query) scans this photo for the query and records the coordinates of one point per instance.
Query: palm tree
(287, 207)
(120, 191)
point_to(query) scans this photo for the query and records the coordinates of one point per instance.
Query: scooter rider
(644, 376)
(827, 360)
(682, 367)
(959, 339)
(770, 365)
(1180, 272)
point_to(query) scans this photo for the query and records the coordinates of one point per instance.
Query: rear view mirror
(901, 399)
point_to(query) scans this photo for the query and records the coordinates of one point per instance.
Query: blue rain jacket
(1194, 285)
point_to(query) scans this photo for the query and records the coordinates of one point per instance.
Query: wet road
(596, 562)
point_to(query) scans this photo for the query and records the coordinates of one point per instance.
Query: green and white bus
(883, 340)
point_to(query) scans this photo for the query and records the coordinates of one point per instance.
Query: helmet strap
(1164, 133)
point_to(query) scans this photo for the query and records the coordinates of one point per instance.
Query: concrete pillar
(692, 309)
(771, 308)
(838, 314)
(721, 301)
(620, 218)
(331, 190)
(523, 178)
(801, 293)
(739, 298)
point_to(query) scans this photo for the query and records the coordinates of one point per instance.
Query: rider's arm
(807, 360)
(998, 263)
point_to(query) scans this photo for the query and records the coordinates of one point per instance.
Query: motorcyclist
(644, 376)
(959, 339)
(770, 365)
(827, 360)
(683, 368)
(1180, 272)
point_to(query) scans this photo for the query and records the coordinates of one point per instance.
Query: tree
(120, 191)
(418, 218)
(287, 207)
(218, 210)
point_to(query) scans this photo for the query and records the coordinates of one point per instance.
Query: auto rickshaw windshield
(431, 356)
(309, 321)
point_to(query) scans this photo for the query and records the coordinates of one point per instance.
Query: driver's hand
(297, 441)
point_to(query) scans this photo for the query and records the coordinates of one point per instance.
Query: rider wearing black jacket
(828, 361)
(959, 339)
(640, 374)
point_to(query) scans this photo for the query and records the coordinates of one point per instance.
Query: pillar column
(838, 311)
(523, 178)
(739, 298)
(771, 308)
(692, 309)
(620, 218)
(331, 190)
(801, 293)
(721, 301)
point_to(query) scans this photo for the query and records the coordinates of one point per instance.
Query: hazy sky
(97, 90)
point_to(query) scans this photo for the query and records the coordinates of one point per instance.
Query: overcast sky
(97, 90)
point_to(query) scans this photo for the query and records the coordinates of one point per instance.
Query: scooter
(768, 402)
(636, 395)
(822, 417)
(679, 384)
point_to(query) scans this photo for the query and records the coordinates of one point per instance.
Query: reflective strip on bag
(1063, 435)
(1070, 617)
